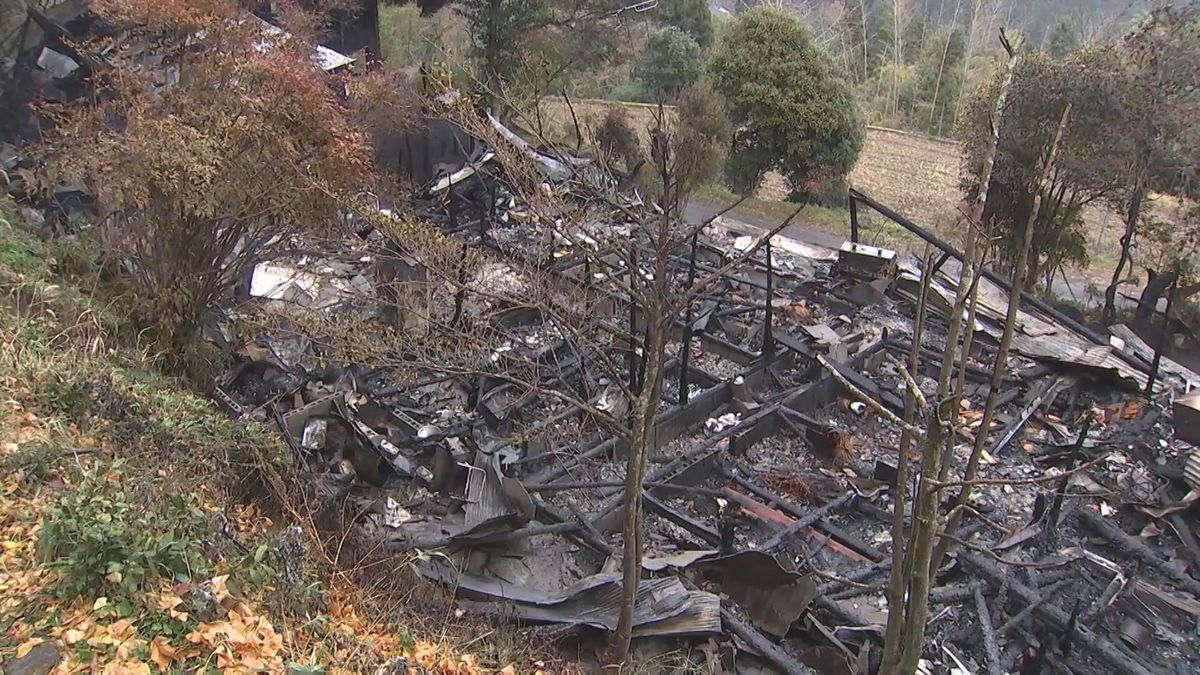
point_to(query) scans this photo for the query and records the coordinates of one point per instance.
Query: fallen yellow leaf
(100, 603)
(162, 654)
(219, 587)
(126, 667)
(28, 646)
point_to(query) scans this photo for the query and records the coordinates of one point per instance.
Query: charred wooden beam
(945, 247)
(586, 533)
(805, 522)
(1134, 546)
(854, 543)
(1017, 619)
(1048, 390)
(1162, 337)
(767, 649)
(1102, 648)
(991, 648)
(683, 520)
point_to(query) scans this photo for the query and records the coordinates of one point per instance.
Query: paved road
(698, 212)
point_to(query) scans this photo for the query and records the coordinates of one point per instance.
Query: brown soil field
(914, 174)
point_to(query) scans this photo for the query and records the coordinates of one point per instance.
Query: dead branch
(871, 403)
(913, 388)
(938, 485)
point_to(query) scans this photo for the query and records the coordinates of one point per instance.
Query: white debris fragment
(313, 437)
(719, 424)
(395, 515)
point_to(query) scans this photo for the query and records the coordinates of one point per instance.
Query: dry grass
(916, 175)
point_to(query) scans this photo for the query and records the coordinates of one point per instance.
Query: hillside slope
(144, 530)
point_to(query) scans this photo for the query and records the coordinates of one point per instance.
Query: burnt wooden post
(768, 347)
(853, 218)
(685, 353)
(491, 219)
(1162, 337)
(1074, 460)
(461, 295)
(451, 209)
(937, 266)
(634, 273)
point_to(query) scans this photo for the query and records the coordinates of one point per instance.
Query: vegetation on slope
(143, 529)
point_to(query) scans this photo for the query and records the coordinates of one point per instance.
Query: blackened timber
(685, 355)
(593, 535)
(991, 649)
(858, 577)
(491, 219)
(468, 541)
(887, 398)
(805, 522)
(1135, 547)
(563, 487)
(707, 448)
(937, 266)
(853, 217)
(585, 533)
(977, 373)
(945, 247)
(767, 649)
(1162, 336)
(851, 541)
(768, 347)
(1050, 388)
(683, 520)
(1101, 647)
(1019, 617)
(1061, 492)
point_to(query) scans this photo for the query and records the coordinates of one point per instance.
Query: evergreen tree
(669, 63)
(794, 112)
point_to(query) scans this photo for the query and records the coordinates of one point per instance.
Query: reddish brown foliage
(166, 15)
(789, 484)
(244, 146)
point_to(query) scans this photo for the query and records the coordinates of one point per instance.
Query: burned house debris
(768, 498)
(463, 417)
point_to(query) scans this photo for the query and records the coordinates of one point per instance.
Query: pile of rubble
(768, 496)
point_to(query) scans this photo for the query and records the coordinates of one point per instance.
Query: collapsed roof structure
(769, 493)
(768, 496)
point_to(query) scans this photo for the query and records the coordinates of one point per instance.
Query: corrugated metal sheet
(1138, 347)
(487, 502)
(664, 606)
(1038, 337)
(1191, 472)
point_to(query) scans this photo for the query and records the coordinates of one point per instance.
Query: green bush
(103, 542)
(794, 112)
(670, 63)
